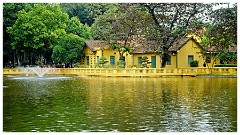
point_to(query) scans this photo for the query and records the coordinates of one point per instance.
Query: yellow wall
(179, 60)
(213, 61)
(173, 62)
(91, 56)
(158, 59)
(105, 53)
(190, 48)
(108, 52)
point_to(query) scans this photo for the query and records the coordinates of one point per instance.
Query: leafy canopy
(68, 49)
(38, 27)
(74, 26)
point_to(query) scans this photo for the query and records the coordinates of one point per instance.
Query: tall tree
(222, 32)
(38, 29)
(10, 11)
(68, 50)
(86, 12)
(172, 20)
(74, 26)
(223, 29)
(120, 25)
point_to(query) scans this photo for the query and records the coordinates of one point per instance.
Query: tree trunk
(14, 58)
(164, 60)
(121, 56)
(40, 59)
(71, 64)
(18, 60)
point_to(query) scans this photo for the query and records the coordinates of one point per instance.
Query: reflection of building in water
(161, 103)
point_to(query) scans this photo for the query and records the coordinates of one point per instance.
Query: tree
(68, 50)
(74, 26)
(221, 32)
(10, 11)
(223, 29)
(120, 25)
(38, 29)
(173, 20)
(86, 12)
(226, 56)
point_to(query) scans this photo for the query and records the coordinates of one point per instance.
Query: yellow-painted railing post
(144, 71)
(175, 71)
(124, 71)
(164, 70)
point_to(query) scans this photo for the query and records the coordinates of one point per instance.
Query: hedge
(226, 65)
(194, 63)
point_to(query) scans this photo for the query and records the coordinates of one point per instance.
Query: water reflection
(121, 104)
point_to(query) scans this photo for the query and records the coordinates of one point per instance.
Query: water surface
(86, 104)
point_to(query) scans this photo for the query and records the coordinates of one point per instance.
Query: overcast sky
(223, 6)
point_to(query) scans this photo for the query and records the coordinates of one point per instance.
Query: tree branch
(152, 13)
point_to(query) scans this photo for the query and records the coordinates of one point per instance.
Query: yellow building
(212, 51)
(184, 51)
(181, 53)
(148, 49)
(95, 49)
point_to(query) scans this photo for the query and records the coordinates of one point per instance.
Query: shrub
(226, 65)
(145, 62)
(194, 63)
(102, 62)
(121, 64)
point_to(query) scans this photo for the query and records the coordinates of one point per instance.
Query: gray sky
(223, 6)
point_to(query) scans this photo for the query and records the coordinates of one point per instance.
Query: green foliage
(10, 11)
(102, 28)
(145, 62)
(80, 65)
(223, 28)
(101, 63)
(86, 12)
(225, 65)
(121, 64)
(114, 47)
(69, 49)
(173, 20)
(120, 23)
(226, 56)
(194, 63)
(39, 27)
(225, 25)
(121, 49)
(74, 26)
(102, 60)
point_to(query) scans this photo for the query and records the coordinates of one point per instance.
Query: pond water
(89, 104)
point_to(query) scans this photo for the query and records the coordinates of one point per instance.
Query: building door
(153, 61)
(112, 60)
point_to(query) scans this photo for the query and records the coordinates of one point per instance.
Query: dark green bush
(226, 65)
(194, 63)
(121, 64)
